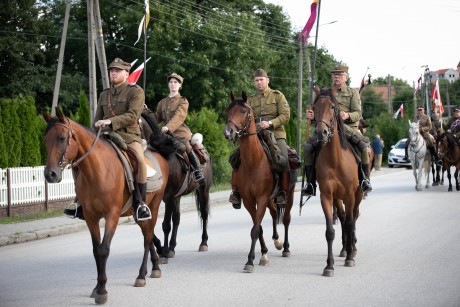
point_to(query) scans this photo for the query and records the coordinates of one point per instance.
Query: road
(408, 255)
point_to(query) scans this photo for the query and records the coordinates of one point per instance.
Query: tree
(3, 156)
(30, 138)
(83, 114)
(371, 102)
(11, 135)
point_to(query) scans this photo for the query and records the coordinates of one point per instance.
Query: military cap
(340, 69)
(260, 73)
(420, 108)
(177, 77)
(457, 108)
(120, 64)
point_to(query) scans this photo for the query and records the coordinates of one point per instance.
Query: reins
(331, 124)
(414, 143)
(240, 132)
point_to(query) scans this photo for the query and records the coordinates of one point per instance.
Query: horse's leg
(349, 228)
(157, 244)
(287, 222)
(255, 232)
(175, 226)
(263, 248)
(427, 171)
(276, 238)
(340, 215)
(449, 178)
(419, 176)
(327, 204)
(147, 230)
(166, 226)
(457, 185)
(202, 202)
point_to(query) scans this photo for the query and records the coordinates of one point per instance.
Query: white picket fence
(27, 185)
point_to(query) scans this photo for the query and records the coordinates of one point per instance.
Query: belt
(262, 119)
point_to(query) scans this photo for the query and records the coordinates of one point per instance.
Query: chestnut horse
(449, 151)
(101, 189)
(337, 176)
(180, 183)
(255, 180)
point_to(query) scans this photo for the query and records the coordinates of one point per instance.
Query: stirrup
(198, 178)
(71, 210)
(281, 198)
(143, 218)
(305, 191)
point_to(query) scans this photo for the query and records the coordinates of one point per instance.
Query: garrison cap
(420, 108)
(260, 73)
(177, 77)
(120, 64)
(340, 69)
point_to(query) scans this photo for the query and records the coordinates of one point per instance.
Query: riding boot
(196, 168)
(366, 186)
(235, 197)
(141, 211)
(74, 210)
(281, 198)
(310, 188)
(435, 156)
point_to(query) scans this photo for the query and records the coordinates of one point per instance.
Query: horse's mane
(340, 126)
(163, 143)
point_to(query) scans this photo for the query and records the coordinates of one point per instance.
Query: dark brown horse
(180, 183)
(337, 176)
(255, 180)
(449, 151)
(101, 189)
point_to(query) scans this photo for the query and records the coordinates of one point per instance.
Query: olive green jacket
(172, 111)
(350, 101)
(123, 105)
(272, 105)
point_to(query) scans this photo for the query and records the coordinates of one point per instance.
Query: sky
(395, 37)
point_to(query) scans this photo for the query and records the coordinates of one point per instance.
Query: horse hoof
(349, 263)
(163, 260)
(171, 254)
(427, 186)
(155, 274)
(286, 254)
(248, 268)
(278, 244)
(93, 294)
(353, 254)
(203, 248)
(449, 190)
(328, 273)
(139, 282)
(418, 189)
(264, 260)
(100, 298)
(343, 253)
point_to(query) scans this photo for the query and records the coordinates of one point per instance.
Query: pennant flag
(311, 21)
(145, 18)
(134, 76)
(400, 110)
(436, 95)
(419, 84)
(362, 85)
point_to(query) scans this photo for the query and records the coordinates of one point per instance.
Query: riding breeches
(284, 151)
(137, 149)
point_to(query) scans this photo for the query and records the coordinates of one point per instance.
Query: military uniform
(454, 123)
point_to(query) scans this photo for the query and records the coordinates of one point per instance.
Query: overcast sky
(393, 37)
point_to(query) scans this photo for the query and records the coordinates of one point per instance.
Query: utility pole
(448, 100)
(427, 100)
(415, 99)
(100, 48)
(57, 83)
(390, 104)
(91, 61)
(299, 97)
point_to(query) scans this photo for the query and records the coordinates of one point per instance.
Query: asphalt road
(408, 255)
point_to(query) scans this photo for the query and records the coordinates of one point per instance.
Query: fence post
(8, 185)
(46, 195)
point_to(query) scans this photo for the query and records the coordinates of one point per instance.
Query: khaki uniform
(123, 105)
(172, 111)
(271, 105)
(424, 122)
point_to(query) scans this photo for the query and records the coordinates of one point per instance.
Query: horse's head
(326, 113)
(414, 131)
(239, 117)
(60, 141)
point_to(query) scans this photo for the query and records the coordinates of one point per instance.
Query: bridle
(413, 142)
(243, 131)
(72, 135)
(330, 125)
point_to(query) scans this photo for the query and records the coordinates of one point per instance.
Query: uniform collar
(115, 90)
(265, 93)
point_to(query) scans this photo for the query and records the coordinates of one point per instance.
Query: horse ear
(316, 89)
(46, 116)
(243, 95)
(59, 114)
(232, 96)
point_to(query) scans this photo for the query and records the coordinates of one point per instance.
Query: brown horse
(101, 189)
(255, 180)
(449, 151)
(337, 176)
(180, 183)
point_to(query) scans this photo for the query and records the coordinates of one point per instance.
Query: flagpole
(145, 47)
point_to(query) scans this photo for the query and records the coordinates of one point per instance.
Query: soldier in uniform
(453, 126)
(350, 110)
(119, 109)
(172, 111)
(271, 111)
(425, 127)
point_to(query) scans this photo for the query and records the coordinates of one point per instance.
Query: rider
(453, 126)
(271, 111)
(172, 111)
(119, 109)
(424, 122)
(350, 110)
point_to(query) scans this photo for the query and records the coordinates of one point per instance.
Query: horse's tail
(427, 166)
(202, 205)
(163, 143)
(280, 210)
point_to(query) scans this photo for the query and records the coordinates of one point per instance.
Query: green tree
(30, 138)
(83, 113)
(371, 102)
(11, 131)
(3, 156)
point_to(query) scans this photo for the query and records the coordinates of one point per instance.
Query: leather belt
(262, 119)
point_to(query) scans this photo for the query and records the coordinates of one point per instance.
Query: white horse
(420, 157)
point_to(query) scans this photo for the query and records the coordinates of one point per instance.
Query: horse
(449, 151)
(337, 176)
(255, 180)
(180, 183)
(420, 157)
(102, 190)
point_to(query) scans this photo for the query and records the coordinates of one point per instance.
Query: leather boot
(281, 198)
(435, 156)
(366, 186)
(74, 210)
(141, 211)
(235, 197)
(196, 168)
(310, 188)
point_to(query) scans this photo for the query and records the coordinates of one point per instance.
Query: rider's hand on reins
(264, 125)
(309, 114)
(102, 123)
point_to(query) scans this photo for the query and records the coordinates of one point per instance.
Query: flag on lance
(436, 95)
(134, 76)
(419, 84)
(305, 33)
(400, 110)
(145, 20)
